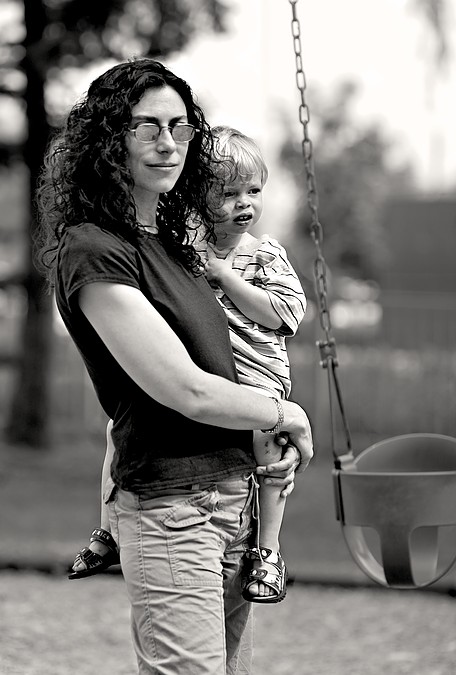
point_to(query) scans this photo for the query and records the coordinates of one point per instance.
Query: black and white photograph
(227, 337)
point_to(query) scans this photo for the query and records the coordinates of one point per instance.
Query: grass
(56, 627)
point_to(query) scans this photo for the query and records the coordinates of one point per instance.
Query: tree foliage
(49, 36)
(353, 178)
(52, 35)
(81, 30)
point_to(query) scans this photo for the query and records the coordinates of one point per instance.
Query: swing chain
(328, 348)
(328, 356)
(316, 230)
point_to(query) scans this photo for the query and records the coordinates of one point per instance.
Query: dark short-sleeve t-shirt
(155, 445)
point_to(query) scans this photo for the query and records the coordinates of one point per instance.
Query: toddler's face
(240, 206)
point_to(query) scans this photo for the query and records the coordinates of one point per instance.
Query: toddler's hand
(217, 268)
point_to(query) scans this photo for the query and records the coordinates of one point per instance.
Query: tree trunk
(29, 416)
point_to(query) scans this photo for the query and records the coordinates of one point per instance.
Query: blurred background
(380, 85)
(381, 82)
(380, 88)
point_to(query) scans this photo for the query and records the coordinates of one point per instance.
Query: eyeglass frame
(162, 128)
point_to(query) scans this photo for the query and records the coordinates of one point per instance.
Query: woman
(120, 185)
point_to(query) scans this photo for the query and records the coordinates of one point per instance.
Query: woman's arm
(153, 356)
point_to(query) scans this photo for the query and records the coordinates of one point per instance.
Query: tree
(61, 33)
(434, 13)
(353, 178)
(29, 411)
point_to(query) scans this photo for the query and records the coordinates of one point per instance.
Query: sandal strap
(266, 577)
(262, 553)
(105, 537)
(274, 579)
(89, 558)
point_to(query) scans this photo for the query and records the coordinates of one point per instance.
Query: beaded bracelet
(278, 426)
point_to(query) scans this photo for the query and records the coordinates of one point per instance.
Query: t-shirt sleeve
(277, 277)
(88, 254)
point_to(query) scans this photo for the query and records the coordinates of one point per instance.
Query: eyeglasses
(148, 132)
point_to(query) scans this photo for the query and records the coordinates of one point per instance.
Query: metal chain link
(328, 356)
(316, 229)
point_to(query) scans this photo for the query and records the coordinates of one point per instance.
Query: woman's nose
(165, 142)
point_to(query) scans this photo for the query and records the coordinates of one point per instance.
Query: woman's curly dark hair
(85, 178)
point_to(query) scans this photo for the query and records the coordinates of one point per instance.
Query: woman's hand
(282, 472)
(296, 427)
(297, 449)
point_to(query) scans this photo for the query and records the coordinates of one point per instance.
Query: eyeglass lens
(149, 132)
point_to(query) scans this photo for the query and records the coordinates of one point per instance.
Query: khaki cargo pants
(181, 552)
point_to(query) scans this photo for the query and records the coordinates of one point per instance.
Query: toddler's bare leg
(271, 504)
(105, 475)
(98, 546)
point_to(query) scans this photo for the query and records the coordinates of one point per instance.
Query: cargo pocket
(194, 553)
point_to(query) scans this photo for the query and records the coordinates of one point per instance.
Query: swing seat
(404, 489)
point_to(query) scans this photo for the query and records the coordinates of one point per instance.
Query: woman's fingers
(286, 465)
(286, 492)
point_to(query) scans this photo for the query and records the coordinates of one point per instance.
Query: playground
(54, 627)
(334, 620)
(398, 371)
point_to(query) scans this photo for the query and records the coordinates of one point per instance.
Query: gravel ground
(51, 626)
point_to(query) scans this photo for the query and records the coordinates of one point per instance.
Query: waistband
(193, 487)
(202, 485)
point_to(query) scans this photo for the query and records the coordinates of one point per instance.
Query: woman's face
(155, 166)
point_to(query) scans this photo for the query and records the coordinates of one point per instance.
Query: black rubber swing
(396, 500)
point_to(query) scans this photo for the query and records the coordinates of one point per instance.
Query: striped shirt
(260, 352)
